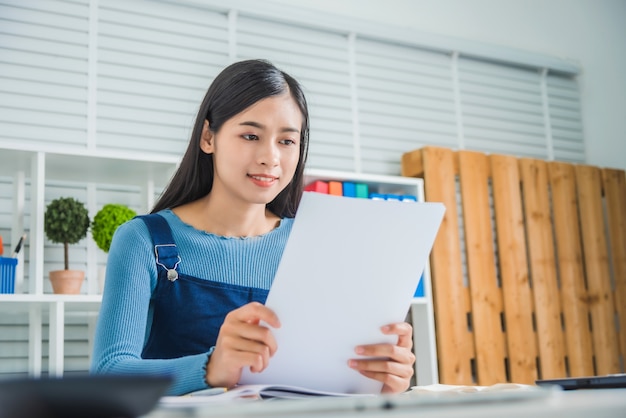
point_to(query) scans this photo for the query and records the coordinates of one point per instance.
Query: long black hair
(237, 87)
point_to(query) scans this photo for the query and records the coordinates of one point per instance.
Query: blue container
(7, 274)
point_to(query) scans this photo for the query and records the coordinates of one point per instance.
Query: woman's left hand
(393, 364)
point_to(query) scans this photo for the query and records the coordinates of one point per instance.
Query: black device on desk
(94, 396)
(587, 382)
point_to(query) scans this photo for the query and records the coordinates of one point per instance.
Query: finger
(391, 383)
(382, 367)
(388, 352)
(253, 338)
(250, 338)
(255, 312)
(403, 330)
(224, 367)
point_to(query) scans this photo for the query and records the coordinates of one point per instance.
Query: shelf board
(21, 303)
(376, 182)
(93, 166)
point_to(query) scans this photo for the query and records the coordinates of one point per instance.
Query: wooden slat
(614, 182)
(571, 270)
(412, 164)
(516, 292)
(455, 347)
(486, 296)
(601, 305)
(543, 269)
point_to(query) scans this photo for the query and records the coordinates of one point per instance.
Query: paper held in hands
(350, 266)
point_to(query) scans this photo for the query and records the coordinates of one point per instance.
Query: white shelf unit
(31, 169)
(422, 313)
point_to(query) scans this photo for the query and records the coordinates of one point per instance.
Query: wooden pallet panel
(574, 225)
(614, 185)
(513, 262)
(542, 260)
(574, 298)
(486, 296)
(455, 342)
(601, 303)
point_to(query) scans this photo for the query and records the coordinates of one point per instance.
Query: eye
(288, 142)
(250, 137)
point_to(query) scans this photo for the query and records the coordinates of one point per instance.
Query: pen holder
(7, 274)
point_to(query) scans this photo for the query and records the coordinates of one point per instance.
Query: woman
(186, 284)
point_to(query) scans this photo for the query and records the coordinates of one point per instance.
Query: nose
(268, 153)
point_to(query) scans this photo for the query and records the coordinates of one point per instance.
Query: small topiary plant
(66, 221)
(106, 221)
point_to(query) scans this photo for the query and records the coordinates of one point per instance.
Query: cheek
(291, 160)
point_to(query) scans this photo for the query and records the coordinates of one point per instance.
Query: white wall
(589, 33)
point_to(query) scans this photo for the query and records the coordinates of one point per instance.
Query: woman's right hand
(242, 342)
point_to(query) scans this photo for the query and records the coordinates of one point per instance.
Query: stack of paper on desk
(350, 266)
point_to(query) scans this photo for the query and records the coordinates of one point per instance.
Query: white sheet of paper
(350, 266)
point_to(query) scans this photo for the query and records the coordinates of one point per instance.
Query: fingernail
(359, 350)
(352, 364)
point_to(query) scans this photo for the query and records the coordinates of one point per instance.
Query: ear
(207, 139)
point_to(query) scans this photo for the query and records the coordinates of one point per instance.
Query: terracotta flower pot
(67, 281)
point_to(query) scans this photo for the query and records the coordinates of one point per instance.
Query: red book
(317, 186)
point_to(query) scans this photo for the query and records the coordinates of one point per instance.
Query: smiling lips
(263, 180)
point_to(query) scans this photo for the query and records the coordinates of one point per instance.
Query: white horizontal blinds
(319, 61)
(76, 344)
(14, 343)
(155, 62)
(405, 101)
(43, 71)
(565, 118)
(6, 213)
(502, 108)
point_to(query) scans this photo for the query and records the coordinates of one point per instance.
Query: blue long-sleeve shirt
(125, 317)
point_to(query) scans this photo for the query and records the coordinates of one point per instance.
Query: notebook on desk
(350, 266)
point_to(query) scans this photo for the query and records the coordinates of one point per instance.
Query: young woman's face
(256, 152)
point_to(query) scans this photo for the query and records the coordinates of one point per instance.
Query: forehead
(281, 109)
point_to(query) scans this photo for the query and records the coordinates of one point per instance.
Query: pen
(19, 245)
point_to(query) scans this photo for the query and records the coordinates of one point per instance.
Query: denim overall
(188, 311)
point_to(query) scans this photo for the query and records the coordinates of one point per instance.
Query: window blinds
(405, 101)
(129, 76)
(501, 108)
(43, 71)
(154, 64)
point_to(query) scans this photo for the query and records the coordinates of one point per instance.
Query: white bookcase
(32, 169)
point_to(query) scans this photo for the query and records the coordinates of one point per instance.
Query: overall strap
(165, 250)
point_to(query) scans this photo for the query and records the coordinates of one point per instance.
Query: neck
(221, 217)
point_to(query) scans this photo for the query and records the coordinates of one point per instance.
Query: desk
(596, 403)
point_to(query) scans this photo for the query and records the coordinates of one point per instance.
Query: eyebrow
(261, 126)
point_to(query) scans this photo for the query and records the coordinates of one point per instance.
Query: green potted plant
(104, 224)
(66, 222)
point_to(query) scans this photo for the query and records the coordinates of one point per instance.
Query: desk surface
(510, 404)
